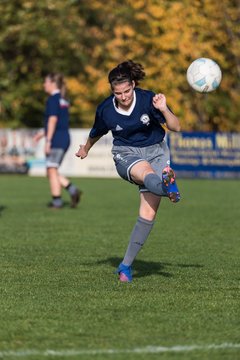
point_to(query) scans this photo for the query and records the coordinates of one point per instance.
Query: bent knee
(140, 170)
(147, 215)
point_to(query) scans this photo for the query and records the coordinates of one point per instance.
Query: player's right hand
(82, 153)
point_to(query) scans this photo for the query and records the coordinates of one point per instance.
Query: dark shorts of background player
(55, 158)
(125, 157)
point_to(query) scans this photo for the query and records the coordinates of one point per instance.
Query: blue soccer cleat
(169, 184)
(125, 273)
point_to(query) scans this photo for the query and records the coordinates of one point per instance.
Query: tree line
(85, 39)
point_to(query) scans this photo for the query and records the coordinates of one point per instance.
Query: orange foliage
(85, 39)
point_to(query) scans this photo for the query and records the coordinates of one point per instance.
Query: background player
(56, 133)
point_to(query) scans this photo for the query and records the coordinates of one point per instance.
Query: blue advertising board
(205, 155)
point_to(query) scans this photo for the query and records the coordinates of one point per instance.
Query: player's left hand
(47, 148)
(159, 102)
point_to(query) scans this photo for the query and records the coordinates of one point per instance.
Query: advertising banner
(205, 155)
(195, 155)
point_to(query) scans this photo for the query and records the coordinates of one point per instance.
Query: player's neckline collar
(55, 92)
(122, 111)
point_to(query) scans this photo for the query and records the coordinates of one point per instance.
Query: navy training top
(57, 106)
(142, 127)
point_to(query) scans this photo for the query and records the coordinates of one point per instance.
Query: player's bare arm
(39, 135)
(52, 122)
(84, 149)
(172, 121)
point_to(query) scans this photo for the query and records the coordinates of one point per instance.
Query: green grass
(58, 288)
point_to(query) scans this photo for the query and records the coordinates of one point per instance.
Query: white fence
(18, 148)
(195, 155)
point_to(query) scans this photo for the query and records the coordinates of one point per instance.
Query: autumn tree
(85, 39)
(36, 37)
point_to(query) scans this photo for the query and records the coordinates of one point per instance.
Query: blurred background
(85, 39)
(59, 296)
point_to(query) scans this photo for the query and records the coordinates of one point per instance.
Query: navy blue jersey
(140, 128)
(57, 106)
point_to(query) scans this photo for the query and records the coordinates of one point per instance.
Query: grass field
(60, 297)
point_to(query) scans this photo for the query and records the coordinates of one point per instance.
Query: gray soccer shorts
(54, 158)
(125, 157)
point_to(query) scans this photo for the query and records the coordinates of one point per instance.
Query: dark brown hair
(58, 79)
(126, 71)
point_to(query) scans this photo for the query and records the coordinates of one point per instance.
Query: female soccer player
(140, 152)
(56, 133)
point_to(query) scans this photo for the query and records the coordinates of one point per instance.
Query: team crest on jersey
(145, 119)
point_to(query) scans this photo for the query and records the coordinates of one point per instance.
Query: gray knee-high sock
(154, 184)
(139, 235)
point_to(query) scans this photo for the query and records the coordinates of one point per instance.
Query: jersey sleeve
(53, 106)
(99, 127)
(158, 115)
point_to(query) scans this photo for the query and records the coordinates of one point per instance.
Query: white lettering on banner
(177, 140)
(228, 141)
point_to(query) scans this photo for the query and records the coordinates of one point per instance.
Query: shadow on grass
(144, 268)
(2, 208)
(65, 205)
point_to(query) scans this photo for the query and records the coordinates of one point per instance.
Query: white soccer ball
(204, 75)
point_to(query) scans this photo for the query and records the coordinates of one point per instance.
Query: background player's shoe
(169, 184)
(125, 273)
(51, 205)
(75, 198)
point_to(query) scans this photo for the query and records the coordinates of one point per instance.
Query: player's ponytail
(126, 71)
(58, 79)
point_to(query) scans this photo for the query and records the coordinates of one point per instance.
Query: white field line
(143, 350)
